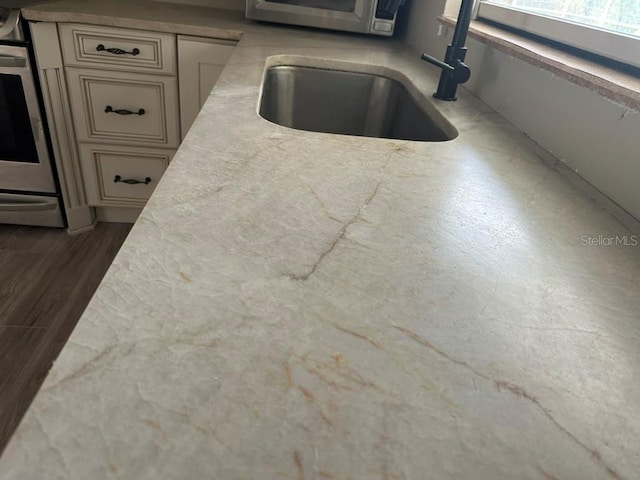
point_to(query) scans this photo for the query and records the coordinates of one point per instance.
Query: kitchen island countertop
(304, 305)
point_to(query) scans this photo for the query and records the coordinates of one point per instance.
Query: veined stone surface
(312, 306)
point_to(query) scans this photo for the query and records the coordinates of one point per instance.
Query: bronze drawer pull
(122, 111)
(117, 51)
(131, 181)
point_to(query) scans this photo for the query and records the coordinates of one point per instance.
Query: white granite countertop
(146, 15)
(311, 306)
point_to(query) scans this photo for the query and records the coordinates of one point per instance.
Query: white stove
(29, 191)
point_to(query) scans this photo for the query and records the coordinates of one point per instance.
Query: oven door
(24, 160)
(349, 15)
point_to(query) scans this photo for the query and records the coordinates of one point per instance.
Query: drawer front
(118, 49)
(124, 108)
(121, 176)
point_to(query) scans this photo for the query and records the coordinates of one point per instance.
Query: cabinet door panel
(200, 63)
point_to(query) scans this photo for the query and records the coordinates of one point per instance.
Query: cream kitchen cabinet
(119, 102)
(123, 92)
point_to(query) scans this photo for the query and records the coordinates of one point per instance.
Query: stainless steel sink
(349, 103)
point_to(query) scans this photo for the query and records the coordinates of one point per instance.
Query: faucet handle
(459, 71)
(436, 62)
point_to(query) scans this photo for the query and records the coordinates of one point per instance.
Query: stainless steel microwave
(375, 17)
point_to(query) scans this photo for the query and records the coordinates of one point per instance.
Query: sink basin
(349, 103)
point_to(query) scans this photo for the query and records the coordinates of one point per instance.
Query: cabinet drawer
(124, 107)
(117, 49)
(121, 176)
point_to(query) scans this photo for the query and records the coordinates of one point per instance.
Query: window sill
(617, 86)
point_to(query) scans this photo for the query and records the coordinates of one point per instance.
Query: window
(609, 28)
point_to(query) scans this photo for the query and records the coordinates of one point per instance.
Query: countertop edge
(35, 14)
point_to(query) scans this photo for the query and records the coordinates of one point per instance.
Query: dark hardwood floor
(47, 278)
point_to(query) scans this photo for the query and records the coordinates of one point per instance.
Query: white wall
(594, 136)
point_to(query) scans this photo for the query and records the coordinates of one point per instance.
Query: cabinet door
(200, 63)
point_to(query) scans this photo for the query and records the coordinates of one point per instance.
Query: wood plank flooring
(47, 278)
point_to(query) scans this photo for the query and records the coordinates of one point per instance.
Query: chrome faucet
(454, 70)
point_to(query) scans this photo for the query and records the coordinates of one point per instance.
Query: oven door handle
(9, 205)
(9, 61)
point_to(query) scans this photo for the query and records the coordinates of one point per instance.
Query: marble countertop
(311, 306)
(146, 15)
